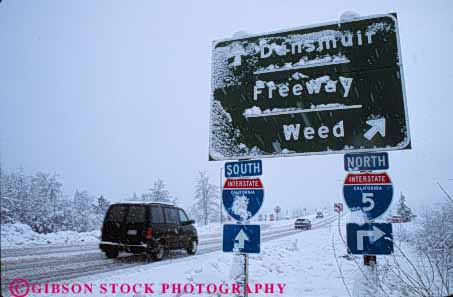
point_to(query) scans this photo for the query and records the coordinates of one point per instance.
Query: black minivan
(147, 227)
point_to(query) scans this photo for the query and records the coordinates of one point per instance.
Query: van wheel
(159, 252)
(111, 253)
(192, 249)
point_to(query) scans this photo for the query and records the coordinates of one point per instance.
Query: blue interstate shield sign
(241, 238)
(370, 239)
(242, 198)
(370, 193)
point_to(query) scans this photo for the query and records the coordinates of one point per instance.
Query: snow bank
(13, 235)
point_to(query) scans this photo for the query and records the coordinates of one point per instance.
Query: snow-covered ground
(19, 235)
(304, 263)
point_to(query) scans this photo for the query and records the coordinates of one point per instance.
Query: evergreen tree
(134, 197)
(102, 206)
(225, 139)
(403, 210)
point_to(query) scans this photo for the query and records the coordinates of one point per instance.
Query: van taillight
(149, 232)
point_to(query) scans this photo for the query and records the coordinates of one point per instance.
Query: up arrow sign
(235, 235)
(377, 125)
(241, 238)
(361, 234)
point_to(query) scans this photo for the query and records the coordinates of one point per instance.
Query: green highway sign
(330, 88)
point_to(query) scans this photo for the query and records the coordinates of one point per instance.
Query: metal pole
(246, 274)
(246, 270)
(221, 190)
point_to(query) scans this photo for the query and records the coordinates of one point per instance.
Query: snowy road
(57, 263)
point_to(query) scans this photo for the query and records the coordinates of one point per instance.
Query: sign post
(242, 197)
(371, 194)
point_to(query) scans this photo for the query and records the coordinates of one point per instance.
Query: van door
(185, 230)
(113, 223)
(171, 223)
(157, 222)
(135, 224)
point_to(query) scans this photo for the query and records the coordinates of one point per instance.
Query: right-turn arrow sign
(373, 235)
(370, 239)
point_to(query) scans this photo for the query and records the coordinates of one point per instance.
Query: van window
(171, 215)
(136, 214)
(182, 216)
(116, 213)
(156, 215)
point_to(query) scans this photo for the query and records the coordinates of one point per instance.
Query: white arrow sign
(376, 234)
(377, 125)
(241, 238)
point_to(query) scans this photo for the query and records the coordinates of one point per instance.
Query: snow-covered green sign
(331, 88)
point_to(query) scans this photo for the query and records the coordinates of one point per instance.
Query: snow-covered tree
(422, 262)
(102, 205)
(44, 198)
(403, 210)
(38, 201)
(6, 204)
(134, 197)
(158, 193)
(84, 217)
(206, 206)
(15, 188)
(225, 139)
(175, 200)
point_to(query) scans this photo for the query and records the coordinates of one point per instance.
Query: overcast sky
(112, 95)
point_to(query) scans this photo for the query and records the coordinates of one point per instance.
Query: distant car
(303, 224)
(397, 219)
(319, 215)
(147, 227)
